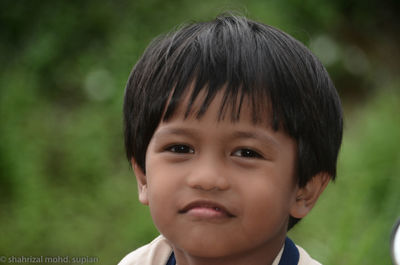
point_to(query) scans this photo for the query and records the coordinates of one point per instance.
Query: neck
(262, 255)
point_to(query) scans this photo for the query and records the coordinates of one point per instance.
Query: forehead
(224, 104)
(223, 127)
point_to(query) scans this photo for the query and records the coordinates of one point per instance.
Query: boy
(233, 129)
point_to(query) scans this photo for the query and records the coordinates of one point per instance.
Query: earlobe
(141, 182)
(308, 195)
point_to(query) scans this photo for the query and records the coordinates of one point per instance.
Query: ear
(141, 182)
(307, 196)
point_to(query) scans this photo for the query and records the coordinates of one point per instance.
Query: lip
(206, 209)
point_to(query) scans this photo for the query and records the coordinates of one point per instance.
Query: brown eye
(247, 153)
(180, 149)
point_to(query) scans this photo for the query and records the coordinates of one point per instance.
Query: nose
(208, 174)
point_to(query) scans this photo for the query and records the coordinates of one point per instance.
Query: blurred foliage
(65, 186)
(352, 222)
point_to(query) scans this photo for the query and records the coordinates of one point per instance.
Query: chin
(207, 248)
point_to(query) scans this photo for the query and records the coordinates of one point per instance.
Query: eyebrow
(265, 138)
(254, 135)
(176, 131)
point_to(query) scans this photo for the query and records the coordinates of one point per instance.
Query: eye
(180, 149)
(247, 153)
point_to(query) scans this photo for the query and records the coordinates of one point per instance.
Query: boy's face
(220, 188)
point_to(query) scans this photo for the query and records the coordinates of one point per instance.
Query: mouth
(206, 209)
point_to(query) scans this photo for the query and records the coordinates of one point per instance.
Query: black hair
(244, 59)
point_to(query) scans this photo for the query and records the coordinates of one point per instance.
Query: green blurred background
(65, 185)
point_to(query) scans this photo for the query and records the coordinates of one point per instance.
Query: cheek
(158, 206)
(161, 190)
(267, 208)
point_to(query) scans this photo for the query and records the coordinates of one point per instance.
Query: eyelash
(185, 149)
(180, 149)
(247, 153)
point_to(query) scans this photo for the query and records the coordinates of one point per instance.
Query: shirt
(159, 252)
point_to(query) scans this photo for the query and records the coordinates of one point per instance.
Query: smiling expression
(217, 188)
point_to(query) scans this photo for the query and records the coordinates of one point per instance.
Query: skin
(221, 192)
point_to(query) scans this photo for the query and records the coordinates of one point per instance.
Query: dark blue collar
(290, 255)
(171, 260)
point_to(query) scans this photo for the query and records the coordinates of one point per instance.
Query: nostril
(208, 183)
(208, 174)
(206, 188)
